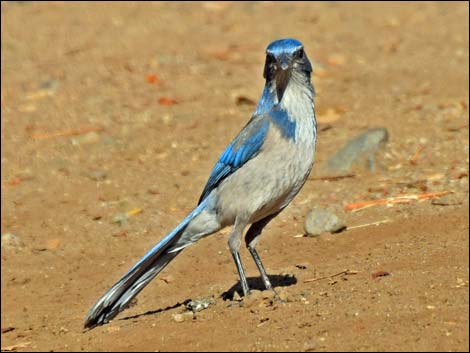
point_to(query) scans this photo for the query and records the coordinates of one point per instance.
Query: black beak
(282, 76)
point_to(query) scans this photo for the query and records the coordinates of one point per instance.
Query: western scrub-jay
(255, 178)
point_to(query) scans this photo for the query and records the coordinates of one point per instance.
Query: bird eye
(299, 54)
(270, 58)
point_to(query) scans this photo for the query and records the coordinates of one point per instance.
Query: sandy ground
(124, 108)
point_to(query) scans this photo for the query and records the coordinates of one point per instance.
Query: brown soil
(67, 68)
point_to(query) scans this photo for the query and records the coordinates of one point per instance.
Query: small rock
(360, 150)
(310, 346)
(320, 221)
(120, 218)
(185, 316)
(97, 175)
(11, 241)
(178, 317)
(199, 304)
(237, 297)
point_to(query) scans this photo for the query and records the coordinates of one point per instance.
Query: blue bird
(255, 178)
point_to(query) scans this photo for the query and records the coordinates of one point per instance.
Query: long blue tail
(121, 293)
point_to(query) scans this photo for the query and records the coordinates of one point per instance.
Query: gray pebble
(199, 304)
(120, 218)
(360, 150)
(11, 241)
(319, 221)
(97, 175)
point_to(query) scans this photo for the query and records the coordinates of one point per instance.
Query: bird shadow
(153, 312)
(253, 283)
(257, 283)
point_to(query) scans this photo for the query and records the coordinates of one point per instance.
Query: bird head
(284, 57)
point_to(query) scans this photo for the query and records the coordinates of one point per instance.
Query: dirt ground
(120, 110)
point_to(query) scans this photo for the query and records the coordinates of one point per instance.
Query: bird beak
(282, 76)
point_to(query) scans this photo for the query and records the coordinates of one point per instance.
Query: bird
(254, 179)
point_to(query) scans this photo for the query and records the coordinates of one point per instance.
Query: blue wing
(244, 147)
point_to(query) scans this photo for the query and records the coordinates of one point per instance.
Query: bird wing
(245, 146)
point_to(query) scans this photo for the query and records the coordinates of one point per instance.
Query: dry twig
(355, 206)
(71, 132)
(344, 272)
(334, 177)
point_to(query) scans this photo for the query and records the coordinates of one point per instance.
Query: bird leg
(261, 269)
(234, 242)
(251, 239)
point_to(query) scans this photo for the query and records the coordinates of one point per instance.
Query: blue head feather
(286, 46)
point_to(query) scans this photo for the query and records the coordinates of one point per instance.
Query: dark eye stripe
(299, 53)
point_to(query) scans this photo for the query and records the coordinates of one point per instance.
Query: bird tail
(121, 293)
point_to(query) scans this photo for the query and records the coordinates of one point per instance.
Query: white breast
(298, 102)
